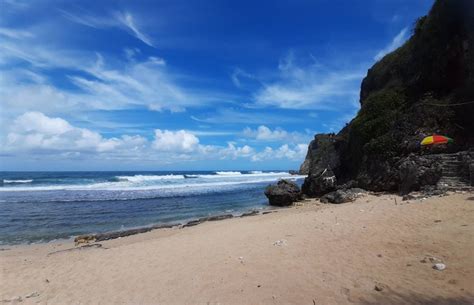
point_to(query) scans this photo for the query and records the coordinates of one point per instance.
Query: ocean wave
(243, 176)
(228, 173)
(143, 178)
(18, 181)
(127, 186)
(191, 176)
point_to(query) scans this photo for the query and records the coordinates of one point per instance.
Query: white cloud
(36, 131)
(104, 84)
(38, 122)
(242, 116)
(263, 133)
(396, 42)
(295, 153)
(130, 53)
(234, 152)
(35, 134)
(124, 20)
(309, 87)
(237, 74)
(15, 34)
(127, 20)
(175, 141)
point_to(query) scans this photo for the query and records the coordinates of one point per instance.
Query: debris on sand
(439, 266)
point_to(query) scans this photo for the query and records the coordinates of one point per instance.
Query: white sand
(326, 254)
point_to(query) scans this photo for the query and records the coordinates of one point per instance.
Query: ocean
(46, 206)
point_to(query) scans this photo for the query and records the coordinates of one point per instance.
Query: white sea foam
(228, 173)
(177, 187)
(18, 181)
(144, 178)
(243, 176)
(256, 172)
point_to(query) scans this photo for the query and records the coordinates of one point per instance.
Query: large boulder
(416, 171)
(319, 183)
(342, 195)
(284, 193)
(471, 174)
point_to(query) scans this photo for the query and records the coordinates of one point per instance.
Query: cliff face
(321, 154)
(424, 87)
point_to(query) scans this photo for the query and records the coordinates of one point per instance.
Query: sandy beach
(376, 250)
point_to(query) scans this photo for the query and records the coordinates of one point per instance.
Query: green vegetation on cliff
(424, 87)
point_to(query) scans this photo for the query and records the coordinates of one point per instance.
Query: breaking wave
(228, 173)
(17, 181)
(142, 178)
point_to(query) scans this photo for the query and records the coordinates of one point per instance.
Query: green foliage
(375, 120)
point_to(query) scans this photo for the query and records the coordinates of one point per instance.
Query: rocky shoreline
(97, 237)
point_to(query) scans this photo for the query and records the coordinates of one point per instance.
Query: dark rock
(321, 154)
(417, 171)
(348, 185)
(85, 238)
(408, 177)
(319, 183)
(250, 213)
(342, 196)
(284, 193)
(379, 287)
(219, 217)
(435, 192)
(164, 226)
(192, 223)
(118, 234)
(408, 197)
(471, 174)
(466, 170)
(422, 88)
(293, 172)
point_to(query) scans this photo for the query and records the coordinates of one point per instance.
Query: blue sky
(162, 85)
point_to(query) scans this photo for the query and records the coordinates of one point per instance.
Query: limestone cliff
(424, 87)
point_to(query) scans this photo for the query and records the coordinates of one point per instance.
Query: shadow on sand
(394, 298)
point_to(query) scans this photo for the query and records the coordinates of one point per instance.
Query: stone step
(451, 175)
(454, 186)
(450, 168)
(451, 179)
(451, 183)
(451, 165)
